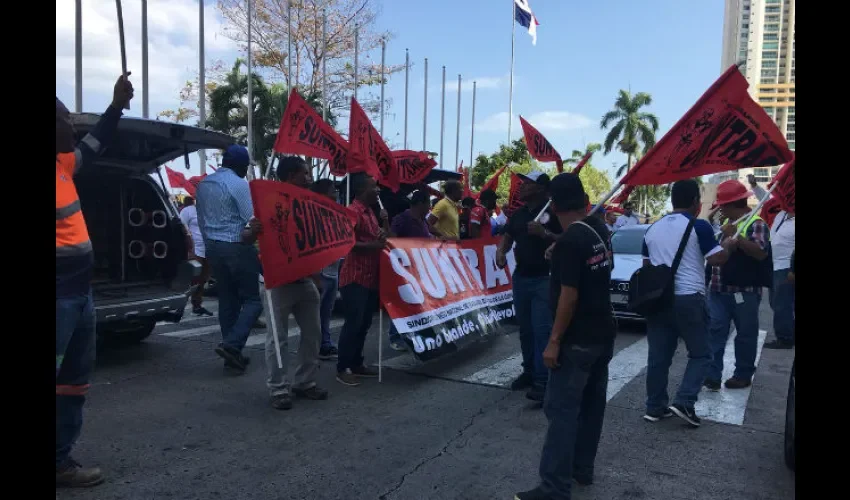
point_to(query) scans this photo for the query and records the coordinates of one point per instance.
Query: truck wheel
(790, 423)
(127, 334)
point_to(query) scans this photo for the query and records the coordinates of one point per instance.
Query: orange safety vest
(72, 236)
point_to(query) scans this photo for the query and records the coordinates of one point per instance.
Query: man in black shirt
(580, 345)
(530, 278)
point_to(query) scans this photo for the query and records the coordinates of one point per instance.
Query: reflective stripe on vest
(72, 236)
(744, 225)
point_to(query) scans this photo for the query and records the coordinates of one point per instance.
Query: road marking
(260, 338)
(192, 332)
(499, 374)
(626, 365)
(728, 406)
(255, 339)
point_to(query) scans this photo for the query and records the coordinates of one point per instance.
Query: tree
(630, 128)
(485, 166)
(577, 155)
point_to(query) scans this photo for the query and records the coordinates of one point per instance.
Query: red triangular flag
(581, 163)
(538, 146)
(492, 183)
(366, 146)
(413, 166)
(785, 190)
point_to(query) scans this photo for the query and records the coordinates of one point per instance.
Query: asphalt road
(165, 422)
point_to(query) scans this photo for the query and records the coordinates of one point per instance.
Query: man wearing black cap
(531, 278)
(579, 347)
(224, 209)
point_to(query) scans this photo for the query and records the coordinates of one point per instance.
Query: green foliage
(632, 131)
(485, 166)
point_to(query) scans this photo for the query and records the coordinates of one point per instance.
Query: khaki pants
(302, 301)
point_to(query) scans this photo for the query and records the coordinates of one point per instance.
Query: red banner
(178, 181)
(538, 146)
(491, 184)
(413, 166)
(770, 210)
(581, 163)
(443, 295)
(724, 130)
(513, 196)
(302, 231)
(193, 183)
(303, 132)
(366, 146)
(786, 186)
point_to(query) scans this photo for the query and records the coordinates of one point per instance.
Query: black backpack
(651, 287)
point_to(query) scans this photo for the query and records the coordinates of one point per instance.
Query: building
(759, 36)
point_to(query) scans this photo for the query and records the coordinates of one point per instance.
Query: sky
(585, 53)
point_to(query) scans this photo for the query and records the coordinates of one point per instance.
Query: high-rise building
(758, 35)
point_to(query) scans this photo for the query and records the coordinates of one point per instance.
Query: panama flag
(524, 16)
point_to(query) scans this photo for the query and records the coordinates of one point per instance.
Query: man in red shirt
(358, 281)
(479, 218)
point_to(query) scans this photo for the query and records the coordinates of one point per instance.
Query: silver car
(626, 244)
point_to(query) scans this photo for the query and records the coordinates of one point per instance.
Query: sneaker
(328, 352)
(521, 382)
(536, 393)
(397, 345)
(535, 494)
(585, 480)
(201, 311)
(232, 358)
(364, 372)
(73, 475)
(711, 385)
(686, 414)
(260, 324)
(347, 378)
(779, 344)
(738, 383)
(315, 393)
(656, 415)
(282, 402)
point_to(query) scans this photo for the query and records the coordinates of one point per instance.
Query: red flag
(616, 210)
(513, 197)
(303, 132)
(786, 186)
(434, 192)
(581, 163)
(193, 183)
(538, 146)
(493, 183)
(770, 210)
(724, 130)
(302, 231)
(178, 180)
(366, 146)
(413, 166)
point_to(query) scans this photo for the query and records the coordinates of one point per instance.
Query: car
(791, 421)
(141, 271)
(626, 243)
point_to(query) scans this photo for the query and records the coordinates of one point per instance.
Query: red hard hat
(730, 191)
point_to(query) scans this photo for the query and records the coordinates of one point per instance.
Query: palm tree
(578, 155)
(630, 128)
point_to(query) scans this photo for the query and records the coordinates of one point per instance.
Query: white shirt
(501, 219)
(782, 240)
(189, 216)
(662, 240)
(626, 220)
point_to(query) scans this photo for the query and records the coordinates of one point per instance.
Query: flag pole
(202, 84)
(472, 135)
(356, 56)
(457, 136)
(78, 58)
(145, 93)
(250, 100)
(425, 110)
(383, 66)
(443, 116)
(123, 45)
(511, 84)
(605, 198)
(288, 44)
(324, 64)
(406, 89)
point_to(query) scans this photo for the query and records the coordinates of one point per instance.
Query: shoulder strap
(682, 244)
(595, 234)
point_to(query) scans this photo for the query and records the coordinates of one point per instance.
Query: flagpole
(406, 88)
(511, 84)
(472, 135)
(457, 136)
(78, 58)
(324, 64)
(145, 93)
(425, 110)
(383, 66)
(250, 100)
(288, 45)
(443, 116)
(356, 56)
(202, 84)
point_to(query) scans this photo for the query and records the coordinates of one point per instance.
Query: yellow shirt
(448, 222)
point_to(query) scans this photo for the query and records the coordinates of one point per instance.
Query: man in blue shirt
(687, 317)
(224, 209)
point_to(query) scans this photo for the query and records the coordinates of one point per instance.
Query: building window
(791, 146)
(766, 99)
(769, 110)
(768, 64)
(770, 46)
(792, 127)
(767, 91)
(771, 27)
(771, 10)
(790, 136)
(771, 37)
(768, 80)
(769, 55)
(767, 73)
(768, 2)
(771, 19)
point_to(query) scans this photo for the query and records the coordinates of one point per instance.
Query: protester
(224, 209)
(531, 278)
(301, 298)
(685, 317)
(189, 217)
(358, 281)
(782, 295)
(580, 346)
(479, 217)
(610, 220)
(628, 218)
(735, 287)
(445, 217)
(75, 316)
(758, 191)
(329, 282)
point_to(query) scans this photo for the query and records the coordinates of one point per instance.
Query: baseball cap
(537, 177)
(235, 156)
(567, 192)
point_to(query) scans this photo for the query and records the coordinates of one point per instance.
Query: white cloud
(481, 83)
(172, 49)
(547, 122)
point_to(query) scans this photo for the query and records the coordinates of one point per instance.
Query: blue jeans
(75, 355)
(688, 319)
(575, 407)
(724, 311)
(329, 289)
(360, 304)
(782, 299)
(531, 301)
(236, 269)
